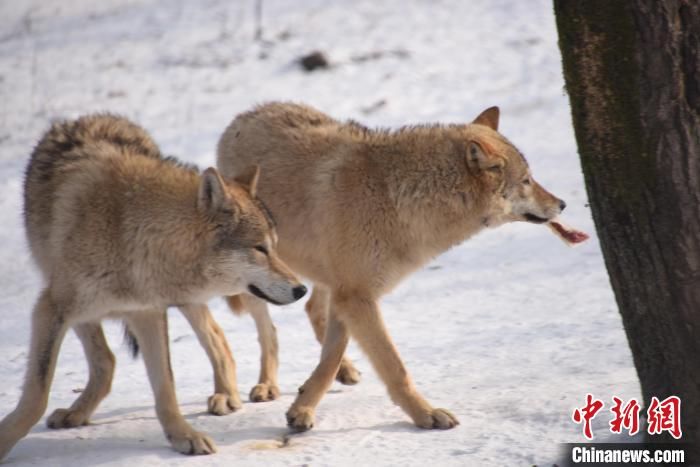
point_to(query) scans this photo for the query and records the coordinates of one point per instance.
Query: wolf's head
(504, 172)
(241, 240)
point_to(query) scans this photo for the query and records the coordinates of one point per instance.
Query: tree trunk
(632, 72)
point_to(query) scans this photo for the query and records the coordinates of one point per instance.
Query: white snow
(509, 330)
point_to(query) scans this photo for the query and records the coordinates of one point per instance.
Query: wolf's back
(68, 141)
(61, 151)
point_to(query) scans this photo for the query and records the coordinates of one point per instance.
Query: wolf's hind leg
(317, 309)
(151, 331)
(300, 416)
(101, 364)
(48, 329)
(225, 398)
(266, 389)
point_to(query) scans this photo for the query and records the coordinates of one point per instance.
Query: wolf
(358, 209)
(119, 231)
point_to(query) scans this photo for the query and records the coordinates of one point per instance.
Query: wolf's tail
(131, 342)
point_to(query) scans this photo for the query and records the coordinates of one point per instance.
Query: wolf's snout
(279, 296)
(562, 205)
(298, 292)
(255, 290)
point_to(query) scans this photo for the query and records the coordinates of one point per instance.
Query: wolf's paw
(300, 418)
(263, 392)
(66, 418)
(437, 418)
(223, 404)
(192, 443)
(347, 373)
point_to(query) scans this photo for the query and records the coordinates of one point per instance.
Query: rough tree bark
(632, 72)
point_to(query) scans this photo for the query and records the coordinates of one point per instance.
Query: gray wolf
(118, 231)
(359, 209)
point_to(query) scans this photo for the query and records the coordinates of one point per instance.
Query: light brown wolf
(118, 231)
(359, 209)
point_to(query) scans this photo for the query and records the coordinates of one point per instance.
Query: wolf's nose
(298, 292)
(562, 205)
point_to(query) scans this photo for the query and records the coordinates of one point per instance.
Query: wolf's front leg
(49, 325)
(211, 337)
(101, 364)
(300, 416)
(151, 331)
(364, 321)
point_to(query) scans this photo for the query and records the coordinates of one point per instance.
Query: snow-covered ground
(509, 330)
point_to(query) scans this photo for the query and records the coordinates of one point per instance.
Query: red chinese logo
(586, 414)
(665, 416)
(626, 417)
(661, 416)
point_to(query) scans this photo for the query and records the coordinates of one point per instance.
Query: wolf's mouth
(534, 219)
(260, 294)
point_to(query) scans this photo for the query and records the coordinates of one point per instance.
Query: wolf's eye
(261, 249)
(526, 181)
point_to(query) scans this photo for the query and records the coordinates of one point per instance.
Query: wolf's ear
(489, 118)
(478, 159)
(249, 178)
(212, 193)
